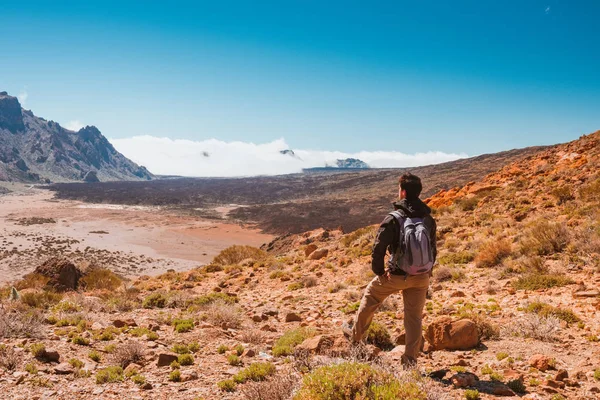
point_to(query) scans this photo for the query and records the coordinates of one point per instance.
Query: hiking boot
(408, 362)
(347, 330)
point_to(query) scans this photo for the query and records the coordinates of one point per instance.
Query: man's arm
(384, 238)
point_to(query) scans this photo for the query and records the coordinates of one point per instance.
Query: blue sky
(413, 76)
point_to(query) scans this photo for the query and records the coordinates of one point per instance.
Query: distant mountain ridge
(33, 149)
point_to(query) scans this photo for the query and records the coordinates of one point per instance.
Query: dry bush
(131, 352)
(353, 295)
(41, 299)
(32, 281)
(492, 253)
(19, 322)
(562, 194)
(223, 314)
(591, 191)
(336, 287)
(9, 359)
(253, 336)
(534, 326)
(544, 238)
(234, 254)
(279, 387)
(309, 281)
(442, 274)
(100, 279)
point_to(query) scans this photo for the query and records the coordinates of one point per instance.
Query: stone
(147, 386)
(165, 359)
(189, 376)
(51, 356)
(256, 318)
(310, 249)
(561, 375)
(132, 367)
(446, 334)
(458, 293)
(464, 379)
(315, 344)
(540, 362)
(554, 384)
(319, 254)
(120, 323)
(63, 274)
(292, 317)
(587, 293)
(248, 353)
(63, 369)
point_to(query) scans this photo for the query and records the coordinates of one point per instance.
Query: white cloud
(74, 125)
(22, 96)
(215, 158)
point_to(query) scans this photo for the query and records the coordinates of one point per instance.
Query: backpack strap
(399, 236)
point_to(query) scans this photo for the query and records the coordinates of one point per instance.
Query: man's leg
(414, 300)
(377, 291)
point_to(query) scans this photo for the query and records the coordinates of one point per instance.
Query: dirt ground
(133, 240)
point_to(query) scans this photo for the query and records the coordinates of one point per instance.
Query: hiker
(409, 235)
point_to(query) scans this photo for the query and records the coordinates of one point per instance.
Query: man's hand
(387, 275)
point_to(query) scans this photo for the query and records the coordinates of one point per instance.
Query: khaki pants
(414, 291)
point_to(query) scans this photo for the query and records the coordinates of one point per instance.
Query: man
(401, 275)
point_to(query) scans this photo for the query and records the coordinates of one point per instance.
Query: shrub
(32, 281)
(222, 349)
(234, 254)
(38, 350)
(295, 286)
(350, 307)
(541, 281)
(472, 394)
(534, 326)
(194, 347)
(591, 191)
(284, 346)
(185, 359)
(154, 300)
(280, 387)
(233, 359)
(492, 253)
(9, 358)
(227, 385)
(180, 349)
(141, 331)
(350, 380)
(214, 297)
(175, 376)
(31, 368)
(336, 287)
(366, 232)
(138, 379)
(111, 374)
(516, 386)
(239, 349)
(94, 356)
(469, 204)
(76, 363)
(461, 257)
(42, 299)
(562, 194)
(100, 279)
(224, 314)
(545, 310)
(16, 322)
(378, 335)
(80, 340)
(183, 325)
(309, 281)
(597, 374)
(544, 238)
(131, 352)
(501, 356)
(257, 371)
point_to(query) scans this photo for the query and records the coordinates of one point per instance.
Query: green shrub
(185, 359)
(350, 380)
(233, 359)
(110, 374)
(295, 286)
(76, 363)
(472, 394)
(501, 356)
(215, 297)
(541, 281)
(31, 368)
(141, 331)
(154, 300)
(257, 371)
(597, 374)
(222, 349)
(80, 340)
(183, 325)
(543, 309)
(284, 346)
(469, 204)
(43, 299)
(239, 349)
(378, 335)
(38, 350)
(175, 376)
(236, 253)
(351, 307)
(138, 379)
(180, 349)
(94, 356)
(461, 257)
(194, 347)
(227, 385)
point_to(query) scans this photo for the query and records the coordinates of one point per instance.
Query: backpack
(413, 253)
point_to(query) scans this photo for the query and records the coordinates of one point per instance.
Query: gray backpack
(413, 253)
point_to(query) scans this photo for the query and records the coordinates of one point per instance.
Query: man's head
(410, 186)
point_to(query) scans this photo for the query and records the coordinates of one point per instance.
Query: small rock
(256, 318)
(458, 293)
(120, 323)
(292, 317)
(464, 379)
(561, 375)
(63, 369)
(147, 386)
(51, 356)
(248, 353)
(446, 334)
(189, 376)
(318, 254)
(540, 362)
(310, 249)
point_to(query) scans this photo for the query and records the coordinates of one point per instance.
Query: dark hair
(411, 184)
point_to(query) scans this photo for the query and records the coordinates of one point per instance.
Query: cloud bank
(216, 158)
(74, 125)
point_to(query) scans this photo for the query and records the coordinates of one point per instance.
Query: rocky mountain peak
(11, 116)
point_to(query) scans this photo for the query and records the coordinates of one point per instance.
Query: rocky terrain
(513, 309)
(291, 203)
(35, 150)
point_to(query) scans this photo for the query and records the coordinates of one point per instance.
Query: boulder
(318, 254)
(63, 274)
(446, 334)
(540, 362)
(63, 369)
(464, 379)
(51, 356)
(165, 359)
(292, 317)
(120, 323)
(309, 249)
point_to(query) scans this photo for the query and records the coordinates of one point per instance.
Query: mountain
(351, 163)
(35, 150)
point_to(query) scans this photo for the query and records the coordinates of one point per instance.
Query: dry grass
(234, 254)
(492, 253)
(545, 238)
(221, 313)
(9, 359)
(18, 322)
(100, 279)
(253, 336)
(131, 352)
(279, 387)
(534, 326)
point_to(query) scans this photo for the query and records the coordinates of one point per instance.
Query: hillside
(519, 261)
(35, 150)
(291, 203)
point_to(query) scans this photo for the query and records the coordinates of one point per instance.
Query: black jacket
(389, 231)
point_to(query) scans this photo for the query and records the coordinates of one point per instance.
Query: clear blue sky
(455, 76)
